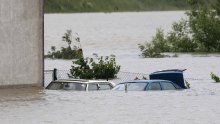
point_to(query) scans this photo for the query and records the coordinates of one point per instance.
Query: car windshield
(131, 86)
(67, 86)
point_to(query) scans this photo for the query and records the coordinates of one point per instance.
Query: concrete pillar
(21, 42)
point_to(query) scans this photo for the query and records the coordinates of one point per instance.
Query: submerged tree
(205, 25)
(215, 77)
(102, 68)
(70, 52)
(68, 37)
(199, 33)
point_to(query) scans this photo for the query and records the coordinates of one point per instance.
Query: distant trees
(84, 68)
(199, 33)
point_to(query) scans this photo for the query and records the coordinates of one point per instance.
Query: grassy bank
(71, 6)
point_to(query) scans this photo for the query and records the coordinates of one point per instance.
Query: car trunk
(176, 76)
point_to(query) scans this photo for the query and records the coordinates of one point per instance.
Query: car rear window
(66, 86)
(55, 86)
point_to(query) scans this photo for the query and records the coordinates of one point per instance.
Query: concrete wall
(21, 42)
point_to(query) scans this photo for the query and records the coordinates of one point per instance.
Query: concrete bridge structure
(21, 43)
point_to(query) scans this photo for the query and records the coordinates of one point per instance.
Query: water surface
(119, 34)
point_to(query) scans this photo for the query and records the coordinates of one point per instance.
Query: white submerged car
(80, 85)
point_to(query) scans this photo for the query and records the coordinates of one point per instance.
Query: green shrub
(156, 46)
(102, 68)
(69, 52)
(199, 33)
(81, 68)
(205, 25)
(179, 39)
(215, 77)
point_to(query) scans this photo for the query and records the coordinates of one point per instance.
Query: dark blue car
(173, 75)
(145, 85)
(160, 80)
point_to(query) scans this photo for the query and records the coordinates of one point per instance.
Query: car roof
(71, 80)
(151, 81)
(145, 81)
(169, 71)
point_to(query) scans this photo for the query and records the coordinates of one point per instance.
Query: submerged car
(160, 80)
(80, 85)
(145, 85)
(173, 75)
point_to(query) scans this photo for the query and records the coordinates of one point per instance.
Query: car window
(131, 86)
(136, 86)
(104, 87)
(154, 86)
(177, 86)
(167, 86)
(74, 86)
(119, 87)
(92, 87)
(55, 86)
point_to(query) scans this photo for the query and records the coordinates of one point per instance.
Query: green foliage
(81, 69)
(179, 39)
(103, 68)
(68, 37)
(69, 52)
(156, 46)
(215, 77)
(217, 8)
(205, 25)
(200, 33)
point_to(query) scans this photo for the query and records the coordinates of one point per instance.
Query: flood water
(118, 34)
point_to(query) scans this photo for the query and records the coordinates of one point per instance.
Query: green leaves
(156, 46)
(68, 37)
(215, 78)
(199, 33)
(205, 26)
(101, 68)
(68, 52)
